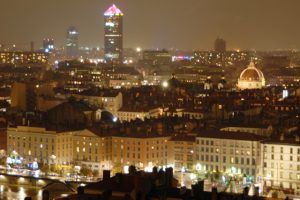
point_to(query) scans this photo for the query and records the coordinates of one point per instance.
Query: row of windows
(223, 143)
(282, 150)
(232, 160)
(231, 151)
(35, 139)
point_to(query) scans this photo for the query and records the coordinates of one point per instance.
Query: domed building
(251, 78)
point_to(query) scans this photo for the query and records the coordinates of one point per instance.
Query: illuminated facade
(72, 42)
(113, 35)
(143, 152)
(51, 147)
(251, 78)
(281, 164)
(32, 143)
(229, 152)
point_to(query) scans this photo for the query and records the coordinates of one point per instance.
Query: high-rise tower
(72, 42)
(220, 45)
(113, 35)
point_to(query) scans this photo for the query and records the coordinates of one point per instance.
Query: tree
(95, 173)
(3, 161)
(45, 168)
(85, 171)
(117, 168)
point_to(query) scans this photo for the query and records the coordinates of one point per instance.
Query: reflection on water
(19, 193)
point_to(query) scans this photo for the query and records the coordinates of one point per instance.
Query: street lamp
(165, 84)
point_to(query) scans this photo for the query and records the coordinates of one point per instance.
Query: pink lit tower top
(113, 35)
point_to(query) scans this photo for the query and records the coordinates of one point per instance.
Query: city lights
(151, 103)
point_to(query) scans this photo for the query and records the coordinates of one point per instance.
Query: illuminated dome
(251, 78)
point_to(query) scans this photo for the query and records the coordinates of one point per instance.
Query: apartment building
(281, 164)
(230, 152)
(142, 150)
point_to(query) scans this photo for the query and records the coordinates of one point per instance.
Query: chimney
(197, 189)
(169, 176)
(80, 190)
(214, 193)
(297, 138)
(45, 195)
(160, 128)
(245, 191)
(106, 175)
(256, 191)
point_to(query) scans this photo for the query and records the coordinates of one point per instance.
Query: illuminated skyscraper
(113, 35)
(72, 42)
(48, 45)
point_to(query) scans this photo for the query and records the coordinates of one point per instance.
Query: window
(236, 160)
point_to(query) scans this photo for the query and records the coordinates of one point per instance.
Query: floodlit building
(129, 113)
(181, 152)
(142, 150)
(32, 143)
(113, 35)
(109, 100)
(229, 152)
(281, 164)
(251, 78)
(83, 147)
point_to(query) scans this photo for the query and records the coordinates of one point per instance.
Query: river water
(19, 193)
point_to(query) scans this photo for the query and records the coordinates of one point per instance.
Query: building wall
(228, 155)
(32, 143)
(133, 115)
(3, 139)
(141, 152)
(181, 155)
(281, 166)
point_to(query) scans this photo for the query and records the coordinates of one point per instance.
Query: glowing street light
(165, 84)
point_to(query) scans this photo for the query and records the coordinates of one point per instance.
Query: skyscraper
(220, 45)
(72, 42)
(113, 35)
(48, 45)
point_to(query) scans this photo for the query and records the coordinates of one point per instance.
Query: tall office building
(72, 42)
(113, 35)
(220, 45)
(48, 45)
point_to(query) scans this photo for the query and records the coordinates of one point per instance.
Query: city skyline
(252, 25)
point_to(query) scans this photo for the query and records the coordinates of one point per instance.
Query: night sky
(182, 24)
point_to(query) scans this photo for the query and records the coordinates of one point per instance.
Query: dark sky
(183, 24)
